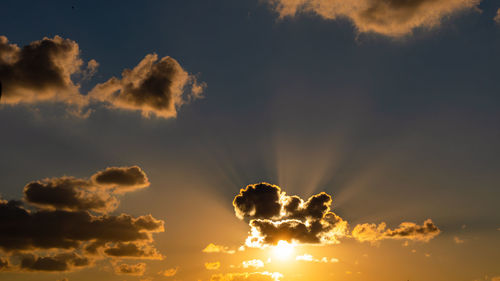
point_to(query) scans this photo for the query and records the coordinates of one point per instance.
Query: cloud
(73, 194)
(274, 216)
(390, 18)
(131, 269)
(59, 262)
(70, 194)
(496, 278)
(4, 264)
(248, 276)
(310, 258)
(406, 230)
(457, 240)
(497, 17)
(133, 250)
(212, 265)
(212, 248)
(123, 179)
(154, 87)
(255, 263)
(50, 70)
(169, 272)
(68, 221)
(40, 71)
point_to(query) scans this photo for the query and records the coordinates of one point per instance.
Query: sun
(283, 250)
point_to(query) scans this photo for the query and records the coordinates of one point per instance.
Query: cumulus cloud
(169, 272)
(131, 269)
(154, 87)
(391, 18)
(69, 193)
(274, 216)
(133, 250)
(212, 265)
(96, 194)
(40, 71)
(248, 276)
(122, 179)
(50, 70)
(406, 230)
(213, 248)
(68, 221)
(59, 262)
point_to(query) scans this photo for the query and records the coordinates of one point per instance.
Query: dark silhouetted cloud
(60, 262)
(68, 193)
(124, 179)
(391, 18)
(153, 87)
(67, 222)
(274, 216)
(49, 70)
(40, 71)
(133, 250)
(131, 269)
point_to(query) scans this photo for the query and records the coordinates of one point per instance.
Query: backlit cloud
(59, 262)
(123, 179)
(131, 269)
(255, 263)
(212, 265)
(68, 222)
(274, 216)
(248, 276)
(391, 18)
(40, 71)
(50, 70)
(213, 248)
(406, 230)
(154, 87)
(310, 258)
(169, 272)
(497, 17)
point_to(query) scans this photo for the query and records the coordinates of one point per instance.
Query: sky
(257, 140)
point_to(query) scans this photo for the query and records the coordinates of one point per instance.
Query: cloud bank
(392, 18)
(68, 217)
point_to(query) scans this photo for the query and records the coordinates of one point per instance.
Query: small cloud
(212, 265)
(458, 240)
(406, 230)
(497, 17)
(310, 258)
(255, 263)
(427, 255)
(169, 272)
(496, 278)
(213, 248)
(248, 276)
(131, 269)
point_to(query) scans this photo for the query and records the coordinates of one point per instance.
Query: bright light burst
(283, 250)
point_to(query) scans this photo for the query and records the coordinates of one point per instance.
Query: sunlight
(283, 250)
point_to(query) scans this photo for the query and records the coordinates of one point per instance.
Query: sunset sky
(250, 140)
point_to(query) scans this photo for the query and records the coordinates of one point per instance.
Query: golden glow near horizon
(283, 250)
